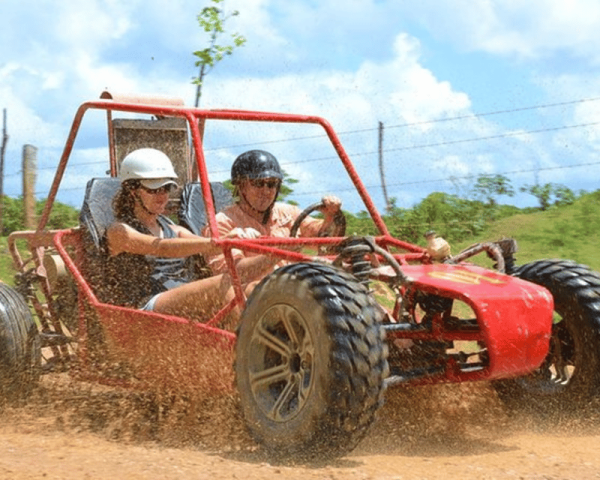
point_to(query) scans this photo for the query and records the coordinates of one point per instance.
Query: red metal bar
(64, 238)
(62, 165)
(193, 115)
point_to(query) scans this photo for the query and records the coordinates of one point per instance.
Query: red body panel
(164, 352)
(515, 316)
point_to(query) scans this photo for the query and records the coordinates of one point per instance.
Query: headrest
(97, 211)
(192, 212)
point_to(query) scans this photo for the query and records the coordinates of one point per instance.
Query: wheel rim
(560, 366)
(281, 361)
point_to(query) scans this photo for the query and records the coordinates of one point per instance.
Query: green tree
(550, 193)
(541, 192)
(13, 217)
(450, 216)
(563, 195)
(212, 20)
(286, 188)
(487, 187)
(61, 216)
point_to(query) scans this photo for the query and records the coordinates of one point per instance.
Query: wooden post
(29, 177)
(2, 152)
(381, 169)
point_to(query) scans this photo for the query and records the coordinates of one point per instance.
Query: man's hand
(331, 206)
(334, 222)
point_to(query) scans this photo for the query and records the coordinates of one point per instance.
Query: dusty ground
(70, 430)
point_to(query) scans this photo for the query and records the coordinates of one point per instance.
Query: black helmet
(255, 164)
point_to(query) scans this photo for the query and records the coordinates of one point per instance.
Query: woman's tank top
(131, 280)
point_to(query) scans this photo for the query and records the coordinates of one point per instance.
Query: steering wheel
(336, 229)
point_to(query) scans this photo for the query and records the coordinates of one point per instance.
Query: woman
(148, 254)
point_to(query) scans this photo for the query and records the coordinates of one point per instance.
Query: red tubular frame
(187, 347)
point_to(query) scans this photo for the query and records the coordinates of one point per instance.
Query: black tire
(311, 361)
(20, 353)
(570, 375)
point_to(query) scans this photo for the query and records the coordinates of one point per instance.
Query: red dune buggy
(320, 338)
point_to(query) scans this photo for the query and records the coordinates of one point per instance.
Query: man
(257, 178)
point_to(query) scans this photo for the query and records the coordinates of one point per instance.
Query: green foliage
(488, 187)
(588, 219)
(62, 216)
(550, 193)
(228, 185)
(7, 271)
(13, 217)
(286, 188)
(359, 224)
(450, 216)
(562, 231)
(212, 20)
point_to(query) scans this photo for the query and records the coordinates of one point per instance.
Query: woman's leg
(198, 300)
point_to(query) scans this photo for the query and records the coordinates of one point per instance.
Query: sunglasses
(157, 191)
(261, 182)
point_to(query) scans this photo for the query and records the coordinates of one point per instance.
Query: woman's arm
(123, 238)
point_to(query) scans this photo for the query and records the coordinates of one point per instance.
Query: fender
(514, 316)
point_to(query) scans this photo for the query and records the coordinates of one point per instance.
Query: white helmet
(150, 166)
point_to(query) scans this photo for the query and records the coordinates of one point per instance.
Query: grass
(571, 232)
(7, 271)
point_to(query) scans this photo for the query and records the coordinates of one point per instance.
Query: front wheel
(570, 375)
(310, 362)
(20, 353)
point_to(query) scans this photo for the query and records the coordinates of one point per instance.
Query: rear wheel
(310, 362)
(570, 374)
(20, 353)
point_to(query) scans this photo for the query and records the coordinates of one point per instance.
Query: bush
(13, 215)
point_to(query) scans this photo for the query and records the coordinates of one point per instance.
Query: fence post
(29, 177)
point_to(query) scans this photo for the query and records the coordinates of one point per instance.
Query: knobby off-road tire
(310, 362)
(570, 374)
(20, 353)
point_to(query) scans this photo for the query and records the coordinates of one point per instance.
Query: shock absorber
(356, 252)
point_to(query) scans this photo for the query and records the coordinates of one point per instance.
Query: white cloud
(530, 30)
(399, 90)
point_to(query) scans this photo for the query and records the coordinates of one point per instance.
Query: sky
(462, 87)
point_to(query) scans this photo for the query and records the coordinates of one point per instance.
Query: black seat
(192, 213)
(97, 213)
(95, 217)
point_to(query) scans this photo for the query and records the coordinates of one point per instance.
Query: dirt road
(70, 430)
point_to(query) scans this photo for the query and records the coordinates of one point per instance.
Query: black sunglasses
(261, 182)
(156, 191)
